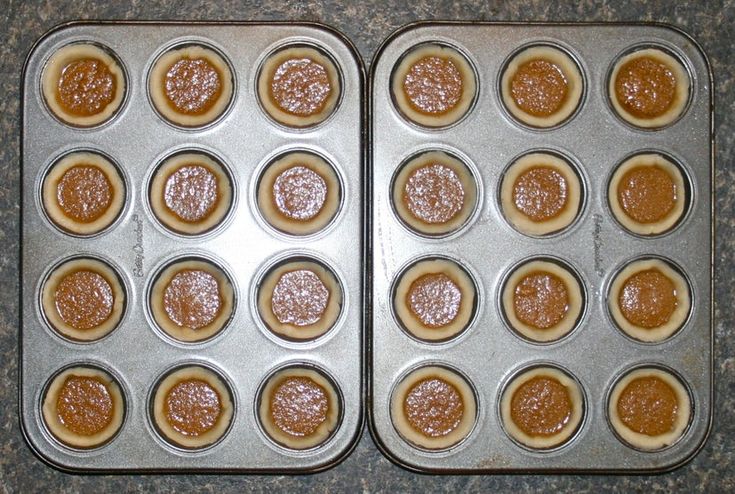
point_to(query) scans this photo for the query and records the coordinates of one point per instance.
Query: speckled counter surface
(367, 24)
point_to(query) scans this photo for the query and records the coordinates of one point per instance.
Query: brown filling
(433, 193)
(433, 407)
(192, 298)
(298, 406)
(433, 85)
(541, 406)
(86, 87)
(299, 193)
(299, 298)
(648, 405)
(84, 193)
(648, 299)
(191, 193)
(645, 88)
(84, 299)
(84, 405)
(539, 87)
(540, 193)
(647, 194)
(192, 407)
(300, 87)
(435, 299)
(192, 86)
(541, 300)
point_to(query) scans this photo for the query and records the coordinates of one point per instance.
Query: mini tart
(78, 183)
(528, 181)
(639, 79)
(433, 408)
(83, 407)
(206, 272)
(306, 105)
(409, 287)
(69, 293)
(329, 309)
(666, 186)
(299, 194)
(77, 57)
(422, 63)
(535, 299)
(169, 178)
(531, 64)
(644, 288)
(208, 104)
(200, 395)
(431, 213)
(651, 396)
(539, 386)
(299, 408)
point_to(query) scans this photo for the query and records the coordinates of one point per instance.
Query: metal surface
(245, 352)
(488, 353)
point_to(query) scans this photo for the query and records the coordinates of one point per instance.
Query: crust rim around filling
(563, 327)
(52, 72)
(323, 432)
(466, 177)
(281, 55)
(575, 83)
(678, 317)
(681, 98)
(71, 439)
(158, 97)
(567, 432)
(466, 71)
(329, 209)
(642, 441)
(671, 219)
(48, 301)
(186, 334)
(174, 437)
(158, 187)
(290, 331)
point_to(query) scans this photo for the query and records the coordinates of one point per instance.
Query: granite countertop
(367, 24)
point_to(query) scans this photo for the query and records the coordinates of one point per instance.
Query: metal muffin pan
(245, 353)
(596, 353)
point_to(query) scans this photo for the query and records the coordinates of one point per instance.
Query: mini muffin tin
(244, 139)
(595, 354)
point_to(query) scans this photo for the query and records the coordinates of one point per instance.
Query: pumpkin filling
(84, 299)
(192, 299)
(433, 407)
(298, 406)
(300, 87)
(539, 87)
(541, 300)
(84, 405)
(541, 406)
(192, 86)
(299, 193)
(435, 299)
(434, 193)
(86, 87)
(192, 407)
(433, 85)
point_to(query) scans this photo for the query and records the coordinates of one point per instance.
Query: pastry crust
(183, 333)
(292, 331)
(158, 188)
(51, 204)
(469, 85)
(275, 218)
(59, 430)
(466, 178)
(273, 61)
(52, 73)
(48, 301)
(325, 429)
(543, 442)
(517, 218)
(574, 311)
(171, 435)
(681, 98)
(643, 160)
(158, 75)
(568, 67)
(411, 323)
(678, 317)
(643, 441)
(416, 438)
